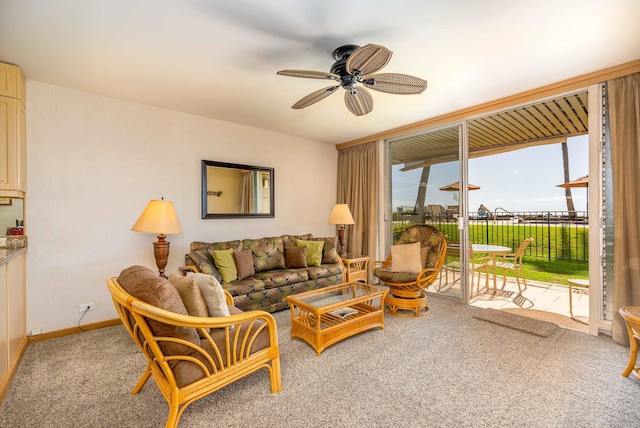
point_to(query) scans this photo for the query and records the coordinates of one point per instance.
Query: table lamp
(341, 216)
(159, 217)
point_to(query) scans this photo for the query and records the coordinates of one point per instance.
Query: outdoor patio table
(494, 251)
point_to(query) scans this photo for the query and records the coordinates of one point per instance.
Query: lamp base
(341, 240)
(161, 252)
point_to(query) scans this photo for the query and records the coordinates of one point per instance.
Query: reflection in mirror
(11, 216)
(232, 190)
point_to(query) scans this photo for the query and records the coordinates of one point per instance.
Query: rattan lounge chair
(190, 357)
(406, 289)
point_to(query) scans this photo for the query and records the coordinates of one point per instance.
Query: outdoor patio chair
(513, 262)
(477, 264)
(435, 211)
(413, 265)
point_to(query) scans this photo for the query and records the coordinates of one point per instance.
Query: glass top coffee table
(327, 315)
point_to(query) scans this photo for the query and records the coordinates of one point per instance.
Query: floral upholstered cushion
(203, 262)
(329, 250)
(387, 275)
(430, 239)
(268, 253)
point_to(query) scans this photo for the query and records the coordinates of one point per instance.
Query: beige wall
(95, 162)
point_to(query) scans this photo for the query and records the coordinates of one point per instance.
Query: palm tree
(422, 193)
(567, 190)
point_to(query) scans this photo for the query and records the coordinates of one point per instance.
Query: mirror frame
(207, 215)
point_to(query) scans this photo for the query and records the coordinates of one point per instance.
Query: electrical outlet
(86, 307)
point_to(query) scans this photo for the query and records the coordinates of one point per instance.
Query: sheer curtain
(624, 123)
(247, 195)
(358, 187)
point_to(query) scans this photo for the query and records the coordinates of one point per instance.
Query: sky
(521, 180)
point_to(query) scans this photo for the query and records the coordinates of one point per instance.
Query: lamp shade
(158, 217)
(341, 215)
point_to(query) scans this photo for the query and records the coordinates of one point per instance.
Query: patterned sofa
(272, 281)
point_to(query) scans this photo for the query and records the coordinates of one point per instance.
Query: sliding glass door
(425, 188)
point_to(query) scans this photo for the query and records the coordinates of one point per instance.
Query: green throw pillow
(226, 264)
(314, 251)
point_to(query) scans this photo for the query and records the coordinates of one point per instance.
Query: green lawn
(554, 271)
(540, 262)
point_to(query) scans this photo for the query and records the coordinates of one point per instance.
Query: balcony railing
(557, 234)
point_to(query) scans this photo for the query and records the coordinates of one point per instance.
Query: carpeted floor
(445, 369)
(517, 322)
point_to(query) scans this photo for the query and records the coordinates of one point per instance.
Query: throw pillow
(295, 257)
(225, 264)
(203, 263)
(406, 258)
(329, 251)
(244, 263)
(314, 251)
(213, 294)
(191, 296)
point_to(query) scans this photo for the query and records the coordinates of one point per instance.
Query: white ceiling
(219, 58)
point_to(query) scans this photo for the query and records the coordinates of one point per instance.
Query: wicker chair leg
(174, 416)
(633, 354)
(276, 380)
(142, 381)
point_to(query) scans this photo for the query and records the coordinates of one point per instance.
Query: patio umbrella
(455, 187)
(578, 182)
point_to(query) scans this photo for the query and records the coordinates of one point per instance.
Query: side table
(355, 267)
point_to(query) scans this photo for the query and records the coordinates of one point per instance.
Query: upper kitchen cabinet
(13, 132)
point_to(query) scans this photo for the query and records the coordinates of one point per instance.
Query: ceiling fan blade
(395, 83)
(314, 97)
(368, 59)
(308, 74)
(359, 102)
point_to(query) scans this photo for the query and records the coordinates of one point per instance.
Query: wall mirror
(232, 190)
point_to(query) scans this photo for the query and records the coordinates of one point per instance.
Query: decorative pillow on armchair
(406, 258)
(213, 294)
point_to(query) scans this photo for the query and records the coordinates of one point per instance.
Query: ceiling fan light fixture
(354, 65)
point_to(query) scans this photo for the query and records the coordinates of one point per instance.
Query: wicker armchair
(191, 357)
(406, 289)
(631, 316)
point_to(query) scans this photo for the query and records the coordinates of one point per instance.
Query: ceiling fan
(353, 70)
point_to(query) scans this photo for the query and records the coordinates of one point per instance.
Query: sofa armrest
(185, 269)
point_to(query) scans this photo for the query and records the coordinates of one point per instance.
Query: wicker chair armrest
(228, 297)
(186, 269)
(380, 264)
